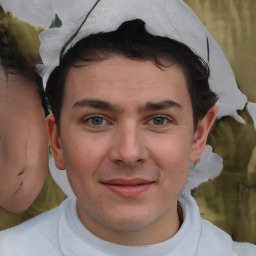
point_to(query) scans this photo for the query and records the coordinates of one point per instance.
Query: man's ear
(202, 130)
(55, 141)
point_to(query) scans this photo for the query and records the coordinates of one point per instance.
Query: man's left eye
(159, 120)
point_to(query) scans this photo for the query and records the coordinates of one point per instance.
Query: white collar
(75, 239)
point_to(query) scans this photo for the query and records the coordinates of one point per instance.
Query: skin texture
(23, 143)
(127, 120)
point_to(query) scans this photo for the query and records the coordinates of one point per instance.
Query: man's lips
(128, 187)
(127, 182)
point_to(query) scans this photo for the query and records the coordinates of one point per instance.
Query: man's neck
(161, 230)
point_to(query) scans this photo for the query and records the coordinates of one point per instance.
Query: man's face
(23, 143)
(126, 140)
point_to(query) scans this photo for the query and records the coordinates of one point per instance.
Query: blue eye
(159, 120)
(97, 120)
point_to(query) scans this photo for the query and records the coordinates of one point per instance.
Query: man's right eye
(95, 121)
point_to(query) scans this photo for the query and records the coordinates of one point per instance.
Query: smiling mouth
(128, 188)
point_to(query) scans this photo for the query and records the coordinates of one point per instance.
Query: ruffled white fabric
(207, 167)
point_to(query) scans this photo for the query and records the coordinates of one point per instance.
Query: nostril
(119, 162)
(129, 162)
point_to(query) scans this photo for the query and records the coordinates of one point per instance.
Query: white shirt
(60, 232)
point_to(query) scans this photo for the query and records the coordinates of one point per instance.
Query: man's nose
(128, 147)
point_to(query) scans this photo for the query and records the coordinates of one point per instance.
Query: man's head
(134, 42)
(132, 111)
(23, 138)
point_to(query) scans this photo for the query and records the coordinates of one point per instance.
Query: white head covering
(167, 18)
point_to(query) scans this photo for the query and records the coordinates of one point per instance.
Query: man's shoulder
(218, 242)
(37, 235)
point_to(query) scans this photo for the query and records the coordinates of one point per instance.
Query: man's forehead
(116, 66)
(124, 79)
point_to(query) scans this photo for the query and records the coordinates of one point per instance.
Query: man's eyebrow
(159, 105)
(104, 105)
(94, 103)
